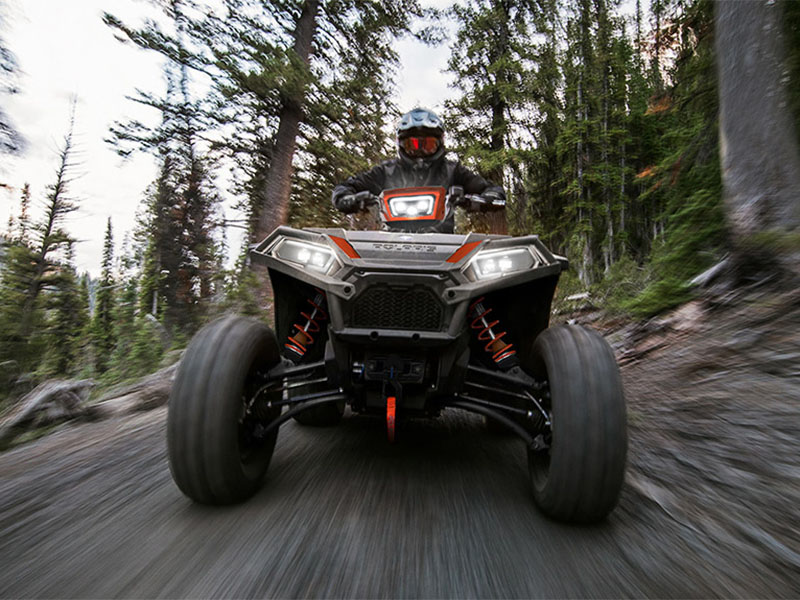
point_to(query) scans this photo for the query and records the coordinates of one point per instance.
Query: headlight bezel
(394, 199)
(310, 256)
(495, 263)
(418, 206)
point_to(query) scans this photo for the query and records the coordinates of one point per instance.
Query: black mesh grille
(383, 307)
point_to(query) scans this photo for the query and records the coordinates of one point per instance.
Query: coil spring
(495, 344)
(303, 337)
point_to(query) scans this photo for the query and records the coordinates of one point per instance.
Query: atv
(403, 323)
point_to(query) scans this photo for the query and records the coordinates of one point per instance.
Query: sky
(64, 50)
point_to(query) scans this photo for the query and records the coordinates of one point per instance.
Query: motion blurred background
(653, 143)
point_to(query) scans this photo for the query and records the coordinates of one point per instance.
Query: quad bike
(403, 323)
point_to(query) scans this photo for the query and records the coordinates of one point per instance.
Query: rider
(420, 162)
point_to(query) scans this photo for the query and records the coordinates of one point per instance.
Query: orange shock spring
(303, 337)
(495, 345)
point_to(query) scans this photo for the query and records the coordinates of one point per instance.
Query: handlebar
(473, 202)
(366, 199)
(455, 196)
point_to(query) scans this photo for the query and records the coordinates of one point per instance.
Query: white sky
(64, 49)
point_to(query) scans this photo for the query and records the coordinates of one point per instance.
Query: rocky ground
(714, 417)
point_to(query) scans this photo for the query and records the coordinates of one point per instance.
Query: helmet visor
(420, 146)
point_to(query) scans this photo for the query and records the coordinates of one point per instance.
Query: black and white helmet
(420, 136)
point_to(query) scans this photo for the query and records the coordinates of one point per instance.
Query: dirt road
(91, 510)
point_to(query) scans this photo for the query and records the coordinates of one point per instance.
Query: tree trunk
(622, 199)
(274, 208)
(49, 402)
(758, 142)
(496, 221)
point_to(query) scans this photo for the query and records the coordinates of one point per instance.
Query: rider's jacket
(402, 173)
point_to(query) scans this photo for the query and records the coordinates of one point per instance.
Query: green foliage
(37, 263)
(102, 321)
(624, 280)
(249, 48)
(67, 320)
(146, 347)
(687, 180)
(603, 133)
(494, 60)
(176, 229)
(241, 293)
(11, 141)
(608, 147)
(18, 352)
(663, 294)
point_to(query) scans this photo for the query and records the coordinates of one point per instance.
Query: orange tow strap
(391, 406)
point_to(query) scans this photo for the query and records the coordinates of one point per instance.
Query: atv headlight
(489, 264)
(412, 206)
(305, 254)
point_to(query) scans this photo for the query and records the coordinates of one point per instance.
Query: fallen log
(51, 402)
(145, 394)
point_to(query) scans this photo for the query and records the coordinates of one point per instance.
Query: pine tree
(24, 219)
(544, 214)
(687, 174)
(180, 255)
(578, 151)
(11, 141)
(102, 320)
(346, 112)
(492, 59)
(275, 66)
(34, 267)
(67, 319)
(19, 269)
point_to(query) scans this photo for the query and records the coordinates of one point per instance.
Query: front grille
(385, 307)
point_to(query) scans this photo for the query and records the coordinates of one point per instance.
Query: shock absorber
(307, 327)
(502, 353)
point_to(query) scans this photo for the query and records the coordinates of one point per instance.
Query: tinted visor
(420, 146)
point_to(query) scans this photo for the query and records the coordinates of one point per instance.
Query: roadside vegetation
(602, 125)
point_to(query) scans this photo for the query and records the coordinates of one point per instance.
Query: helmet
(420, 136)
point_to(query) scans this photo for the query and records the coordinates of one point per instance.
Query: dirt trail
(710, 507)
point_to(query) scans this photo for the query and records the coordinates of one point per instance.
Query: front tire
(579, 478)
(216, 454)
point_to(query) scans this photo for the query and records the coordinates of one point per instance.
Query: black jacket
(398, 173)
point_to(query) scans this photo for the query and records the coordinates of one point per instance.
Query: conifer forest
(600, 118)
(610, 410)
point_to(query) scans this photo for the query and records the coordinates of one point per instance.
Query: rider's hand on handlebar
(455, 195)
(347, 204)
(355, 202)
(366, 199)
(488, 201)
(493, 200)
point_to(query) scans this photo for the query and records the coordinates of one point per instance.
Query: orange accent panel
(438, 205)
(463, 251)
(346, 247)
(391, 407)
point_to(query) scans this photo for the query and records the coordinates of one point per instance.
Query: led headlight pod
(412, 206)
(489, 264)
(306, 254)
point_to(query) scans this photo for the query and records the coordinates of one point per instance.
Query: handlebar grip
(365, 199)
(475, 202)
